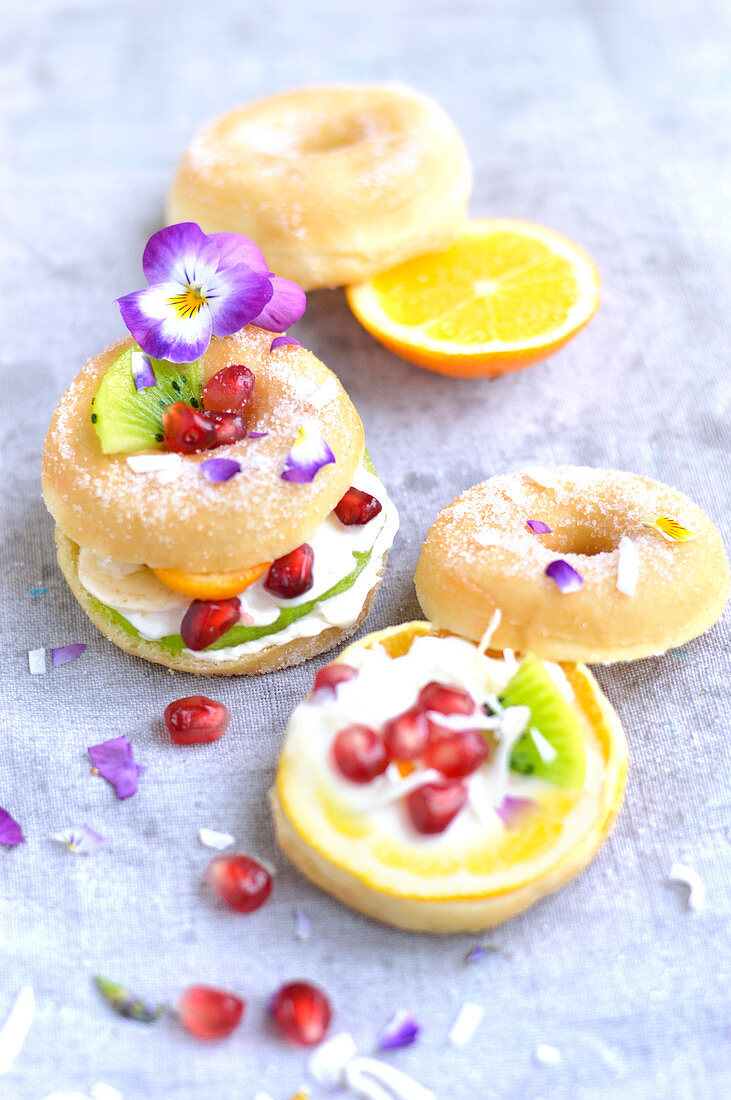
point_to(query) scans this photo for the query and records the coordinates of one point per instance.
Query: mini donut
(333, 183)
(116, 526)
(515, 837)
(481, 555)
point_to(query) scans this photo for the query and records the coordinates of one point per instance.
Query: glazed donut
(515, 836)
(334, 183)
(639, 594)
(138, 547)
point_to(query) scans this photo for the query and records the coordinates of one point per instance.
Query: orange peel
(211, 586)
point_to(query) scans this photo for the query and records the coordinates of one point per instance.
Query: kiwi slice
(127, 419)
(553, 717)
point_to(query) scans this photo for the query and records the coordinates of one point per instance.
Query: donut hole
(315, 135)
(578, 538)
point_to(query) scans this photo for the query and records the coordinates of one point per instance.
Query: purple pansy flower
(115, 762)
(310, 452)
(10, 831)
(204, 285)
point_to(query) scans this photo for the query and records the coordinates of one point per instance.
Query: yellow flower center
(188, 303)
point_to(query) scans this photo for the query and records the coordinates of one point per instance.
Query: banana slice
(130, 587)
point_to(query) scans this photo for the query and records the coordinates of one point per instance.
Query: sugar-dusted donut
(638, 591)
(333, 183)
(421, 843)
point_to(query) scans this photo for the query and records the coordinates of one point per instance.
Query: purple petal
(302, 925)
(220, 469)
(258, 435)
(287, 304)
(10, 831)
(159, 330)
(538, 527)
(233, 248)
(284, 341)
(512, 809)
(81, 839)
(235, 296)
(173, 251)
(115, 762)
(401, 1031)
(142, 372)
(564, 576)
(65, 653)
(310, 452)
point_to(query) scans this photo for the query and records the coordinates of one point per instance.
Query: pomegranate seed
(356, 508)
(446, 699)
(332, 675)
(210, 1013)
(229, 427)
(196, 719)
(360, 754)
(455, 753)
(291, 575)
(242, 882)
(229, 390)
(406, 735)
(302, 1012)
(206, 621)
(433, 806)
(186, 430)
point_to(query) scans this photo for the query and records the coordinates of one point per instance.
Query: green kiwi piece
(127, 419)
(554, 717)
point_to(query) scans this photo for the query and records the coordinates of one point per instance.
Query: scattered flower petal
(125, 1002)
(512, 809)
(628, 566)
(10, 831)
(481, 951)
(211, 839)
(258, 435)
(285, 307)
(310, 452)
(547, 1054)
(465, 1025)
(538, 527)
(302, 925)
(61, 655)
(142, 373)
(283, 342)
(114, 761)
(220, 469)
(16, 1027)
(564, 576)
(690, 878)
(37, 662)
(671, 530)
(401, 1031)
(81, 839)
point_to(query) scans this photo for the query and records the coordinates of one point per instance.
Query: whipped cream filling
(334, 545)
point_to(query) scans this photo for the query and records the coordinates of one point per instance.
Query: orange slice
(506, 294)
(210, 586)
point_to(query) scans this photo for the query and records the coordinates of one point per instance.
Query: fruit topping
(356, 508)
(434, 806)
(186, 430)
(406, 735)
(206, 621)
(330, 676)
(291, 575)
(210, 586)
(242, 882)
(446, 699)
(302, 1011)
(228, 427)
(196, 719)
(210, 1013)
(456, 754)
(229, 390)
(360, 753)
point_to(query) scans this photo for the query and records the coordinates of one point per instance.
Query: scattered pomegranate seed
(206, 621)
(187, 431)
(332, 675)
(433, 806)
(242, 882)
(291, 575)
(196, 719)
(229, 390)
(210, 1013)
(229, 427)
(302, 1012)
(356, 508)
(446, 699)
(455, 753)
(360, 754)
(406, 735)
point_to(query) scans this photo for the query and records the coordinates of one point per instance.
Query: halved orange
(210, 586)
(506, 294)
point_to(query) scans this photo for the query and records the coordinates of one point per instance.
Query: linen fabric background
(608, 121)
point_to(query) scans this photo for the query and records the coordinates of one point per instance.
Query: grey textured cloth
(608, 121)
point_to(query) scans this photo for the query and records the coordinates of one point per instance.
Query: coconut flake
(465, 1024)
(16, 1027)
(401, 1031)
(102, 1091)
(36, 662)
(211, 839)
(142, 372)
(679, 872)
(325, 393)
(489, 536)
(547, 1054)
(628, 566)
(366, 1076)
(327, 1064)
(544, 748)
(302, 925)
(165, 467)
(564, 576)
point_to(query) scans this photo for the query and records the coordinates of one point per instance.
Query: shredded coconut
(465, 1025)
(690, 878)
